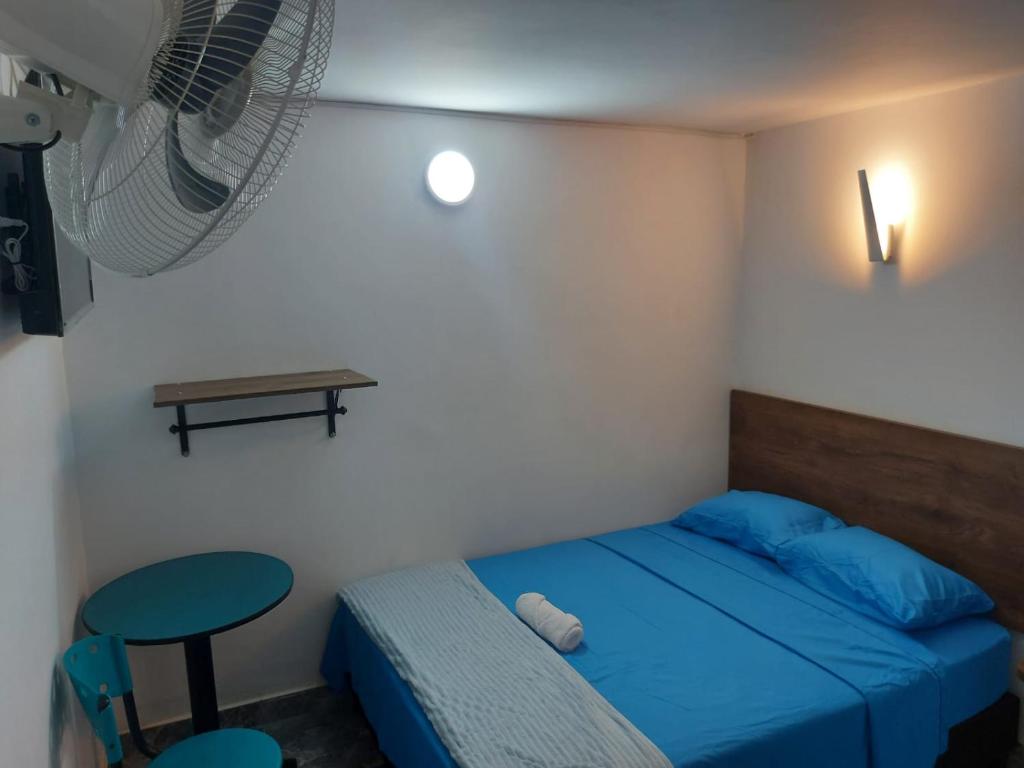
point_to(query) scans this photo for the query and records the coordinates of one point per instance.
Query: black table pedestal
(202, 686)
(202, 689)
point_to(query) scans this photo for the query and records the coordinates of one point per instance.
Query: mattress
(701, 681)
(975, 654)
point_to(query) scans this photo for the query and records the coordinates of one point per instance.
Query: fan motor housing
(106, 46)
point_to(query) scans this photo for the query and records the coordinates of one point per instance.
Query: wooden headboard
(956, 499)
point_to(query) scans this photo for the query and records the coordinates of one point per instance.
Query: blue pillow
(754, 521)
(881, 578)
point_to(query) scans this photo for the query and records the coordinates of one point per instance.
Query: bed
(721, 659)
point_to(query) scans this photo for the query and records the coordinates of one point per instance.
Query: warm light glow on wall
(893, 199)
(888, 201)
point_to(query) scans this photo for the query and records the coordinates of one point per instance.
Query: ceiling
(734, 66)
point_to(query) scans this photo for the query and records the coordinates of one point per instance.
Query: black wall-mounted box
(60, 290)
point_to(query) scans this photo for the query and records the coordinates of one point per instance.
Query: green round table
(188, 600)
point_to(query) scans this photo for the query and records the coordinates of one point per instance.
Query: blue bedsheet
(718, 657)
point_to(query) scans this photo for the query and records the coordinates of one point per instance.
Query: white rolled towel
(561, 629)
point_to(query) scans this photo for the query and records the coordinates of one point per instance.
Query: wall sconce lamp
(451, 178)
(884, 216)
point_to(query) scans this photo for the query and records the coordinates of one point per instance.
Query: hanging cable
(24, 275)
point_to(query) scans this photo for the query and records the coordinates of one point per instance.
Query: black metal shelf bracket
(333, 409)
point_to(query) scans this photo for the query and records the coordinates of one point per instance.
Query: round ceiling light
(450, 178)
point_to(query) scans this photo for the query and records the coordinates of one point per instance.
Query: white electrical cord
(23, 274)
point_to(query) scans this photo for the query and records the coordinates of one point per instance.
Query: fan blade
(233, 44)
(196, 192)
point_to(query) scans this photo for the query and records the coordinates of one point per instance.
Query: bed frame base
(987, 739)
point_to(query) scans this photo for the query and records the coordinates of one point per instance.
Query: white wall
(554, 361)
(42, 562)
(41, 558)
(937, 339)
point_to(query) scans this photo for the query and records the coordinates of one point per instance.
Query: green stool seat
(228, 748)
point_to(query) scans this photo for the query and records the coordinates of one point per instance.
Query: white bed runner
(496, 694)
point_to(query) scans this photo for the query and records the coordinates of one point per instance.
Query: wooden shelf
(190, 392)
(331, 383)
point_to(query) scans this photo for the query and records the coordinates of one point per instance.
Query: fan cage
(111, 192)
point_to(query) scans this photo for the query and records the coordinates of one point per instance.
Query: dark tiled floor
(318, 728)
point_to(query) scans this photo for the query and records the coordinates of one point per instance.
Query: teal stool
(98, 668)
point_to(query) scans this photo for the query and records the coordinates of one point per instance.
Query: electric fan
(174, 117)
